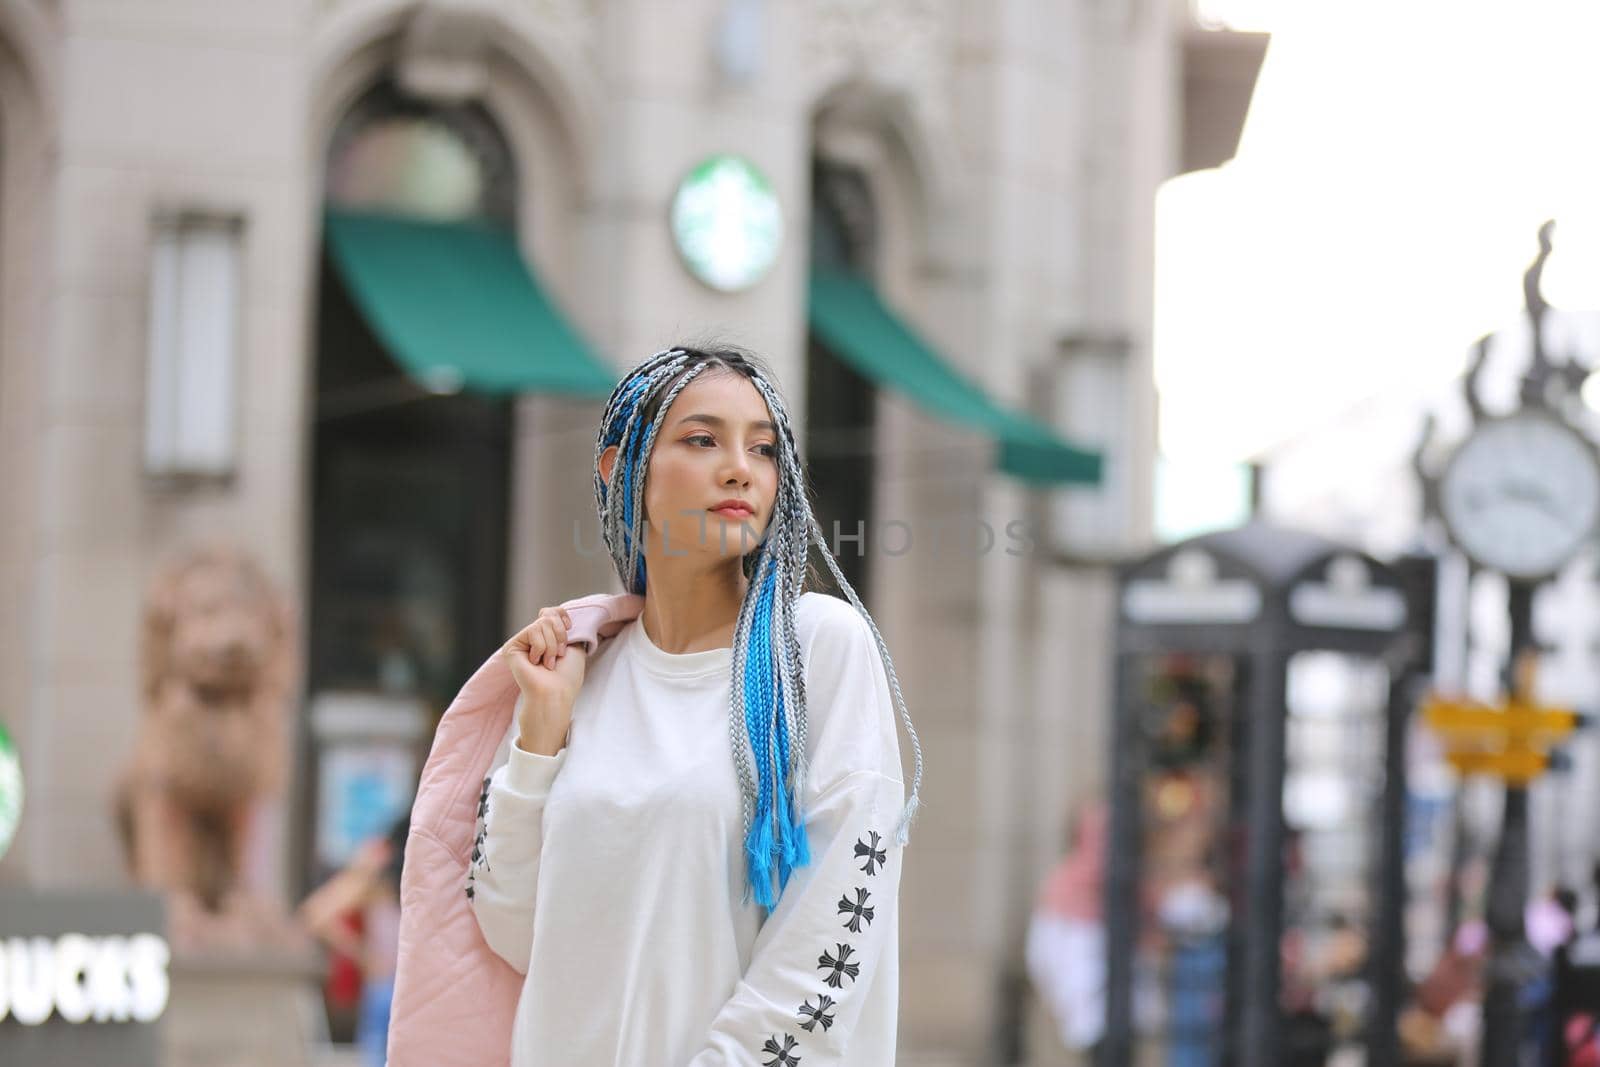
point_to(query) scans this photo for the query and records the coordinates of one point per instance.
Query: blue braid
(759, 843)
(630, 465)
(636, 449)
(778, 831)
(623, 406)
(788, 847)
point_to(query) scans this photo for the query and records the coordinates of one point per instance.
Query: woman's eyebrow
(719, 422)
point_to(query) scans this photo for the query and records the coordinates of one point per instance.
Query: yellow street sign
(1515, 721)
(1517, 765)
(1509, 741)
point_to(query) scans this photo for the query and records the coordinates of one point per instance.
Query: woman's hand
(549, 673)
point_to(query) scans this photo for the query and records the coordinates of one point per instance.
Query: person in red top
(369, 886)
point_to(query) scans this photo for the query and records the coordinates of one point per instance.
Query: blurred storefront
(343, 283)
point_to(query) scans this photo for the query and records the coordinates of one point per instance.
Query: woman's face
(717, 443)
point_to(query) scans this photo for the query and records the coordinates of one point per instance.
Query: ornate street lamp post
(1520, 497)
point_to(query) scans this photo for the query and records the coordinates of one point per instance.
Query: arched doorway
(410, 482)
(410, 479)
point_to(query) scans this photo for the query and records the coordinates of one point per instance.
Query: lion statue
(213, 737)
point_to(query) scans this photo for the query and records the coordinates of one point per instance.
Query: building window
(193, 348)
(397, 154)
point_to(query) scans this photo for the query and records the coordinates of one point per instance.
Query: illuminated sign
(727, 223)
(84, 979)
(10, 791)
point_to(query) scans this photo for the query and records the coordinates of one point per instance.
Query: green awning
(457, 307)
(848, 315)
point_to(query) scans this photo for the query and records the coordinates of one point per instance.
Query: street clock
(1522, 494)
(727, 223)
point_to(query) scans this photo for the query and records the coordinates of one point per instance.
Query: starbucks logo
(727, 223)
(10, 791)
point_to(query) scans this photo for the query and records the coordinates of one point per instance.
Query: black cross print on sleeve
(858, 910)
(838, 966)
(477, 842)
(875, 856)
(818, 1014)
(782, 1055)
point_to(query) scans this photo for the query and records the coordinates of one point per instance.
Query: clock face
(727, 223)
(1522, 495)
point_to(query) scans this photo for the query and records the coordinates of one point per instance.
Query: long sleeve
(503, 872)
(829, 951)
(831, 933)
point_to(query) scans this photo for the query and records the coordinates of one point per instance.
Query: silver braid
(902, 833)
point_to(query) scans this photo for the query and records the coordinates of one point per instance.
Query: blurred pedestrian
(1577, 991)
(1066, 942)
(1443, 1022)
(368, 886)
(1549, 926)
(1194, 915)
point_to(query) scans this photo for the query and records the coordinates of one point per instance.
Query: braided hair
(767, 698)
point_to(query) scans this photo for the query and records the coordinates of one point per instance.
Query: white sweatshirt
(612, 873)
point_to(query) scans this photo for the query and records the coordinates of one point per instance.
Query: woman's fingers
(557, 621)
(554, 622)
(546, 642)
(543, 641)
(554, 639)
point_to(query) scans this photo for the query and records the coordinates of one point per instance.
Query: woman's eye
(765, 450)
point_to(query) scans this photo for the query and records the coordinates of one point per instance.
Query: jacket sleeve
(503, 872)
(599, 616)
(835, 927)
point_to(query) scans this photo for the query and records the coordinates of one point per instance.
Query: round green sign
(727, 223)
(10, 791)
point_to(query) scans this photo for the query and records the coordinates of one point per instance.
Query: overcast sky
(1398, 158)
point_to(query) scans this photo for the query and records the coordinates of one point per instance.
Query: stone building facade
(1009, 153)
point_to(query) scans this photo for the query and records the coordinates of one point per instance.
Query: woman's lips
(733, 513)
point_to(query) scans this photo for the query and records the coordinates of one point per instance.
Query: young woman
(692, 850)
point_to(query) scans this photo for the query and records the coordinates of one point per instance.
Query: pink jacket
(455, 1000)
